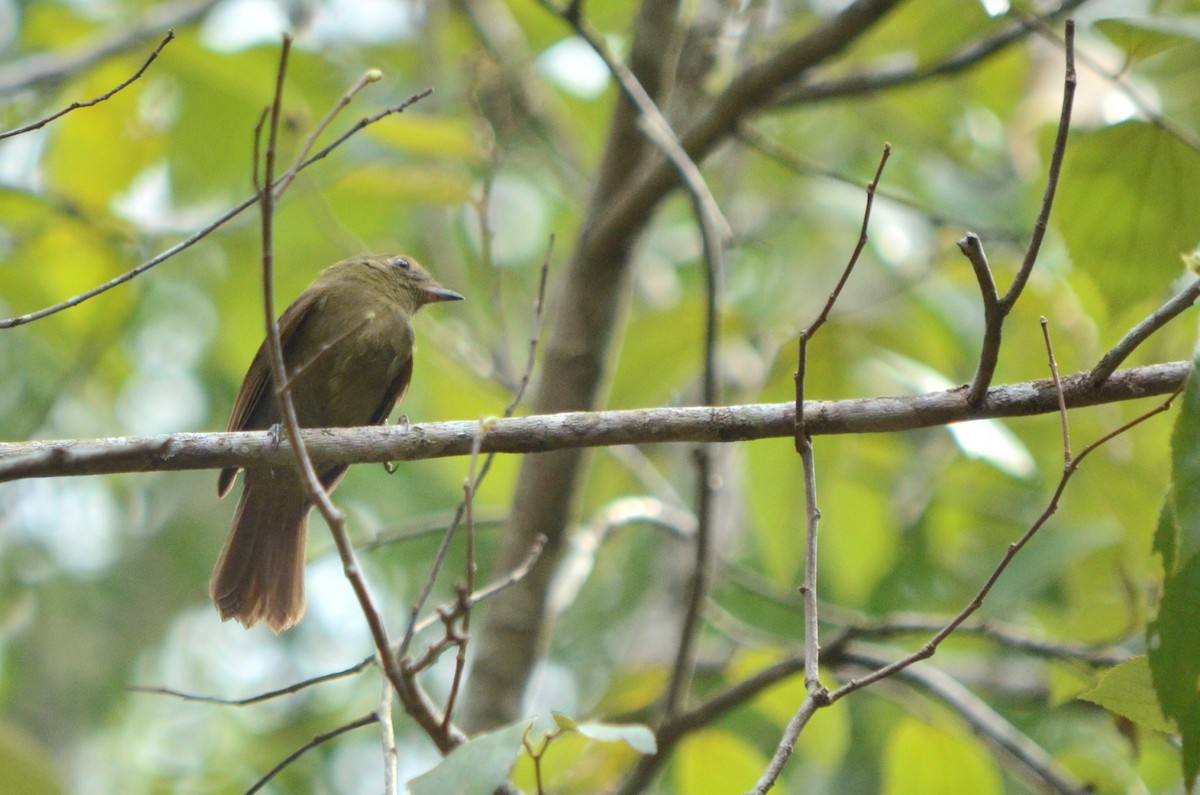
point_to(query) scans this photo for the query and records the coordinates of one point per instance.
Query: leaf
(1184, 519)
(478, 766)
(1174, 642)
(636, 736)
(1143, 37)
(714, 760)
(1134, 173)
(1128, 690)
(1174, 637)
(925, 759)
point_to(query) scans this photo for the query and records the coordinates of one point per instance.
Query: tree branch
(571, 430)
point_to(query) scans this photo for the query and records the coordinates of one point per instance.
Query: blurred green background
(103, 579)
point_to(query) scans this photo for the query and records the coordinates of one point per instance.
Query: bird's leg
(402, 423)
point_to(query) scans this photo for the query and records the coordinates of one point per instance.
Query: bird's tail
(260, 574)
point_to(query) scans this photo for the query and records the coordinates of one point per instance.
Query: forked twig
(997, 309)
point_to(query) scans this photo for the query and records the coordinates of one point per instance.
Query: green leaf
(636, 736)
(1174, 642)
(479, 765)
(925, 759)
(564, 721)
(1135, 173)
(1128, 691)
(1142, 37)
(716, 761)
(1184, 542)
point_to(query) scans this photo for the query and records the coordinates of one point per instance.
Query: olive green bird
(350, 335)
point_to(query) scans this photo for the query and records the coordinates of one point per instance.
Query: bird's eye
(401, 263)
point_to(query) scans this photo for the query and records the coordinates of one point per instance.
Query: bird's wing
(254, 389)
(394, 392)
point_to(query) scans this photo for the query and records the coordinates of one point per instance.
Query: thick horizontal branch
(546, 432)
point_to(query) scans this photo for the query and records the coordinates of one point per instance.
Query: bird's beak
(435, 294)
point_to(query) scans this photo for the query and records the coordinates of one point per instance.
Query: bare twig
(476, 437)
(1062, 402)
(993, 315)
(1052, 174)
(415, 703)
(821, 698)
(1010, 553)
(320, 739)
(967, 56)
(512, 578)
(37, 125)
(787, 744)
(391, 782)
(996, 311)
(655, 126)
(803, 441)
(255, 699)
(1142, 331)
(364, 80)
(465, 591)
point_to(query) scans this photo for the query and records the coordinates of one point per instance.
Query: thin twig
(415, 703)
(1062, 401)
(464, 596)
(37, 125)
(803, 443)
(365, 720)
(510, 409)
(493, 588)
(871, 83)
(364, 80)
(653, 124)
(863, 239)
(256, 699)
(787, 744)
(204, 232)
(994, 314)
(1142, 331)
(1010, 553)
(391, 781)
(1052, 175)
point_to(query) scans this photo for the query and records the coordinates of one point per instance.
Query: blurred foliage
(103, 580)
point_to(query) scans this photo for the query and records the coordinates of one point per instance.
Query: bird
(348, 348)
